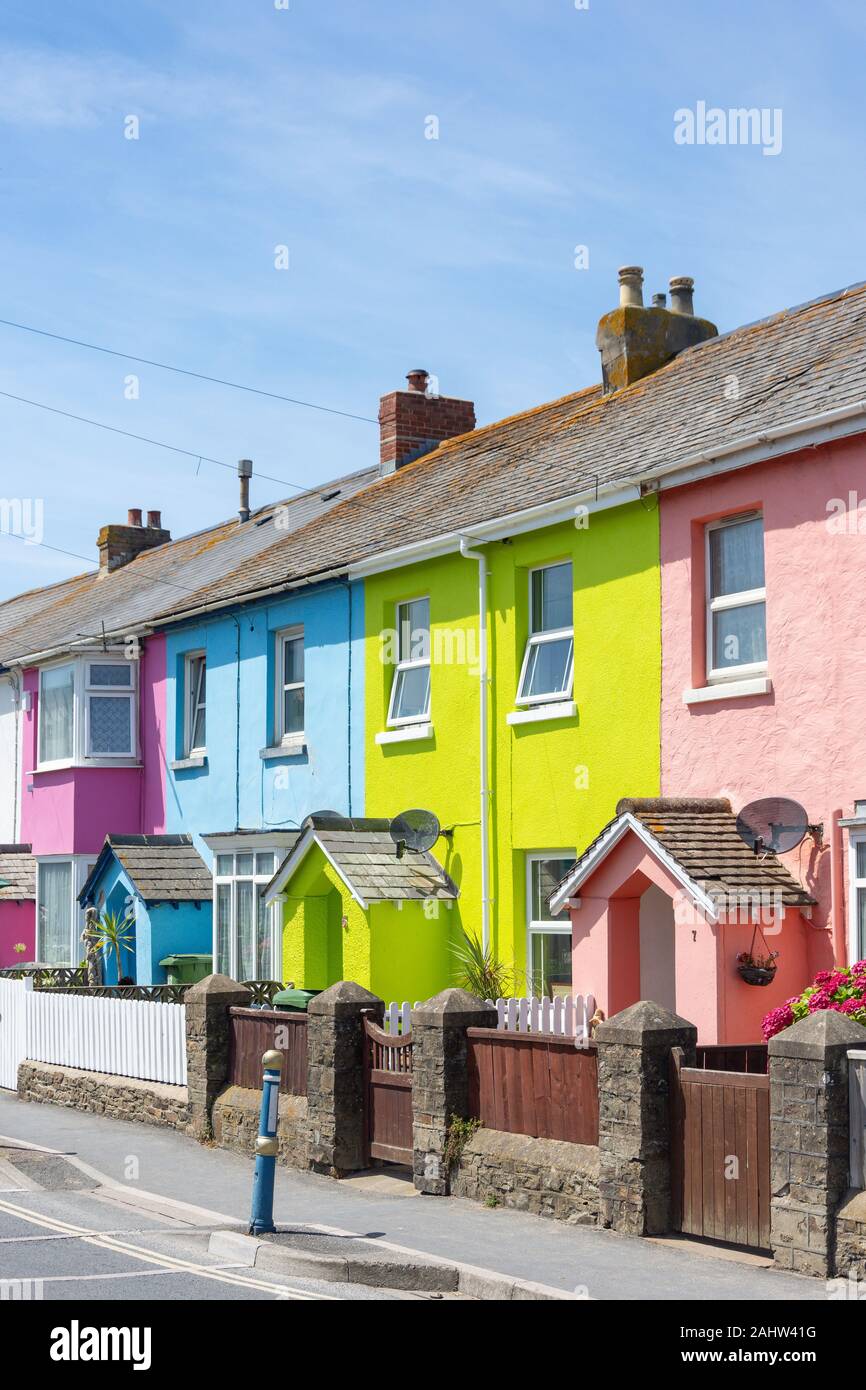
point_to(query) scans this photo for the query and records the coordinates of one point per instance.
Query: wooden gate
(720, 1154)
(387, 1094)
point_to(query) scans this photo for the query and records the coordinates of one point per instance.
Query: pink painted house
(758, 478)
(17, 905)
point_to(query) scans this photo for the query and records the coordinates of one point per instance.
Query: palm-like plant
(479, 971)
(116, 933)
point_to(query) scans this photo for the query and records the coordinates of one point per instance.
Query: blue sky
(305, 127)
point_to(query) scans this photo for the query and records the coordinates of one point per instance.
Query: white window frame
(258, 881)
(536, 638)
(82, 691)
(57, 762)
(854, 885)
(410, 664)
(561, 927)
(745, 599)
(190, 749)
(128, 693)
(281, 734)
(82, 864)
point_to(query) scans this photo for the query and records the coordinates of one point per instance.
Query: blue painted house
(162, 887)
(264, 725)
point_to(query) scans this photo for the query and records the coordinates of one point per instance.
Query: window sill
(182, 764)
(559, 709)
(410, 733)
(728, 690)
(70, 763)
(290, 749)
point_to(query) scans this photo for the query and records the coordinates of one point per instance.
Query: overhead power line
(184, 371)
(156, 443)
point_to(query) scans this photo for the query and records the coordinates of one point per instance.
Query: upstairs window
(290, 684)
(410, 690)
(57, 714)
(87, 711)
(548, 662)
(109, 709)
(196, 695)
(736, 598)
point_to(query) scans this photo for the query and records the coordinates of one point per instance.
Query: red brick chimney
(413, 422)
(120, 544)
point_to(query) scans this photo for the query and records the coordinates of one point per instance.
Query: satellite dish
(416, 830)
(773, 825)
(307, 822)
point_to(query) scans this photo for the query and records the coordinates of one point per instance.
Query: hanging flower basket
(755, 974)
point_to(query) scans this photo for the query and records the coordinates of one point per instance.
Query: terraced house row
(583, 637)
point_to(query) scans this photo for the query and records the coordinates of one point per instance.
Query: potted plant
(756, 969)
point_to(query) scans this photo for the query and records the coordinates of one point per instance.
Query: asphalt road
(606, 1265)
(62, 1240)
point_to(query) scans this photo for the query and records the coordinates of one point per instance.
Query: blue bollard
(262, 1216)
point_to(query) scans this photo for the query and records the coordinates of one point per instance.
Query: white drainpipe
(482, 720)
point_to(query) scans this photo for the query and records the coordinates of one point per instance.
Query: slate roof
(163, 868)
(701, 836)
(799, 362)
(17, 873)
(803, 361)
(158, 581)
(365, 855)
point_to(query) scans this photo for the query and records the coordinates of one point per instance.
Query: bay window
(59, 918)
(410, 688)
(549, 937)
(547, 672)
(87, 711)
(244, 928)
(736, 598)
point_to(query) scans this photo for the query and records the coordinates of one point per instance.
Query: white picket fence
(13, 1030)
(124, 1037)
(568, 1018)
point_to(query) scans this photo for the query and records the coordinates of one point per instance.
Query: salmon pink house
(667, 901)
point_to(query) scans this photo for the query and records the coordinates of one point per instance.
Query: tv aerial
(775, 825)
(414, 830)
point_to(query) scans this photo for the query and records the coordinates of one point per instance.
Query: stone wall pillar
(207, 1044)
(634, 1149)
(335, 1077)
(440, 1081)
(809, 1138)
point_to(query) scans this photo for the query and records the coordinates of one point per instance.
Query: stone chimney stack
(414, 421)
(635, 341)
(119, 544)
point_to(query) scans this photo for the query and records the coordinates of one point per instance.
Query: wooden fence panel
(533, 1083)
(253, 1032)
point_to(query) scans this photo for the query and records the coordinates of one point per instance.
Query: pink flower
(776, 1020)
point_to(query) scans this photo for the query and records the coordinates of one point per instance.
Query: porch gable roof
(363, 854)
(161, 868)
(696, 840)
(17, 873)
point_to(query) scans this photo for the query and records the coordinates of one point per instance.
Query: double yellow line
(167, 1262)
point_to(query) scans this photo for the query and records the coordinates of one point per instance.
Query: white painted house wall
(10, 762)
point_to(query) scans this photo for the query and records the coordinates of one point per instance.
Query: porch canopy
(367, 860)
(664, 900)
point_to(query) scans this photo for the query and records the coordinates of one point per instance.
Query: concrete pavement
(606, 1265)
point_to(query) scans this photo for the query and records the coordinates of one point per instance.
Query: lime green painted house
(509, 675)
(573, 657)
